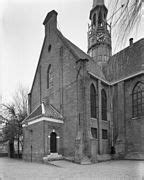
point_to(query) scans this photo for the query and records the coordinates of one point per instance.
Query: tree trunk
(18, 143)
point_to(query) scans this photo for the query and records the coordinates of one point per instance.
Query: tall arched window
(104, 104)
(100, 19)
(138, 100)
(94, 19)
(93, 99)
(49, 76)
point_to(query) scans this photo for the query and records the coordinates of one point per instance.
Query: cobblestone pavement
(63, 170)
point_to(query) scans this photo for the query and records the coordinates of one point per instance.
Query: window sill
(139, 117)
(93, 118)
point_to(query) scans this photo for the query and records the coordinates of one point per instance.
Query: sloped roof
(36, 113)
(52, 112)
(125, 63)
(44, 110)
(76, 51)
(92, 66)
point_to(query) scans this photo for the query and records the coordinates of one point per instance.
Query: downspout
(40, 83)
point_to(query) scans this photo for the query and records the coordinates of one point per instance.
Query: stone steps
(85, 160)
(52, 157)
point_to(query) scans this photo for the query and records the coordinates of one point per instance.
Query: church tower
(99, 35)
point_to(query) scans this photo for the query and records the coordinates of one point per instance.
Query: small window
(94, 132)
(94, 19)
(104, 134)
(61, 51)
(49, 77)
(49, 48)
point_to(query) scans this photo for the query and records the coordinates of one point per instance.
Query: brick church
(86, 106)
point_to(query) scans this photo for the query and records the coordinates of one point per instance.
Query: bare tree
(125, 17)
(15, 113)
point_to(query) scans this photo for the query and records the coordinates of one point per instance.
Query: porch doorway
(53, 142)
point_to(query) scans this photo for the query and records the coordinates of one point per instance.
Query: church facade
(86, 107)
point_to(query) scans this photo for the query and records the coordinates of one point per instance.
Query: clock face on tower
(100, 37)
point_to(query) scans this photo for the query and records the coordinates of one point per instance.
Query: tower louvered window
(104, 105)
(138, 100)
(49, 76)
(93, 101)
(94, 19)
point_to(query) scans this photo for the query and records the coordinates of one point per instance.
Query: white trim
(115, 82)
(43, 119)
(43, 108)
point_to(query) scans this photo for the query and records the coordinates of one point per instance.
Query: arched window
(100, 19)
(138, 100)
(104, 104)
(94, 19)
(93, 99)
(49, 76)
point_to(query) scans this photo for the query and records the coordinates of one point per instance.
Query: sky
(22, 35)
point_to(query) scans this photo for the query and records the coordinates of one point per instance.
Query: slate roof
(44, 110)
(52, 112)
(37, 112)
(125, 63)
(92, 66)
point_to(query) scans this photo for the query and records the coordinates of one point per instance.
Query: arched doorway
(53, 142)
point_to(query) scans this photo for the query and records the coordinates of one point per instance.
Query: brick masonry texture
(70, 96)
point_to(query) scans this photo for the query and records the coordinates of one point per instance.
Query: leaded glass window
(138, 100)
(104, 134)
(49, 77)
(93, 101)
(104, 105)
(94, 132)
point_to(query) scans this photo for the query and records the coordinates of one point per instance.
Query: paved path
(63, 170)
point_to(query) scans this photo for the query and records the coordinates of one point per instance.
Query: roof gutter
(115, 82)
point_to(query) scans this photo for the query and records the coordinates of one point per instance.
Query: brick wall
(33, 142)
(134, 126)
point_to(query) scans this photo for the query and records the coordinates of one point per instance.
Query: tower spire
(99, 36)
(98, 3)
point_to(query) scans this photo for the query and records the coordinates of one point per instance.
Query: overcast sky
(22, 34)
